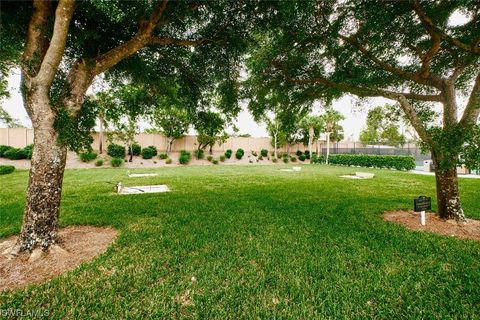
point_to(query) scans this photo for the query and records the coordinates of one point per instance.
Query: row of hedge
(16, 153)
(369, 160)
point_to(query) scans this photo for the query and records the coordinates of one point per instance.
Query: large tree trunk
(40, 220)
(448, 194)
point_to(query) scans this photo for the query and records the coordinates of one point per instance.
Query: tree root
(36, 254)
(12, 251)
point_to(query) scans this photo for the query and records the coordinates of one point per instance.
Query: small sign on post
(421, 204)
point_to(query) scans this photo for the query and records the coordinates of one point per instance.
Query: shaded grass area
(246, 242)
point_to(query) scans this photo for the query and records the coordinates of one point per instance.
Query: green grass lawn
(261, 243)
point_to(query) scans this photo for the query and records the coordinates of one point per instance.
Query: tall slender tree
(312, 127)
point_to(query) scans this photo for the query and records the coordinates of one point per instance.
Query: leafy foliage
(163, 156)
(471, 152)
(3, 149)
(6, 169)
(172, 122)
(5, 118)
(200, 154)
(381, 129)
(405, 51)
(116, 151)
(17, 153)
(185, 157)
(116, 162)
(370, 161)
(88, 156)
(147, 153)
(75, 131)
(210, 127)
(239, 154)
(154, 150)
(135, 149)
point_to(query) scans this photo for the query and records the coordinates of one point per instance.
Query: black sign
(422, 203)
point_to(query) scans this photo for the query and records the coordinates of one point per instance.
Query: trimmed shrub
(4, 149)
(116, 162)
(88, 156)
(215, 161)
(116, 151)
(307, 154)
(239, 154)
(28, 150)
(168, 161)
(210, 158)
(371, 161)
(99, 163)
(318, 158)
(274, 160)
(148, 153)
(163, 156)
(285, 159)
(264, 153)
(135, 149)
(6, 169)
(293, 158)
(302, 157)
(185, 157)
(15, 154)
(223, 158)
(154, 150)
(299, 153)
(228, 153)
(200, 154)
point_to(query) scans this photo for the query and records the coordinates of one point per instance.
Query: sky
(354, 117)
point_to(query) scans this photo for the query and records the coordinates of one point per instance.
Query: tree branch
(141, 38)
(472, 110)
(179, 42)
(368, 92)
(398, 96)
(54, 54)
(36, 44)
(434, 36)
(428, 80)
(474, 47)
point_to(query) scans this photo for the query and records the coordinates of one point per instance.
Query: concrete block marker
(142, 189)
(293, 169)
(138, 175)
(359, 175)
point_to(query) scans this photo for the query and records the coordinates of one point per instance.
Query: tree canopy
(406, 51)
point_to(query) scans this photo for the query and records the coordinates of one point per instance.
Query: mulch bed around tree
(79, 243)
(462, 230)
